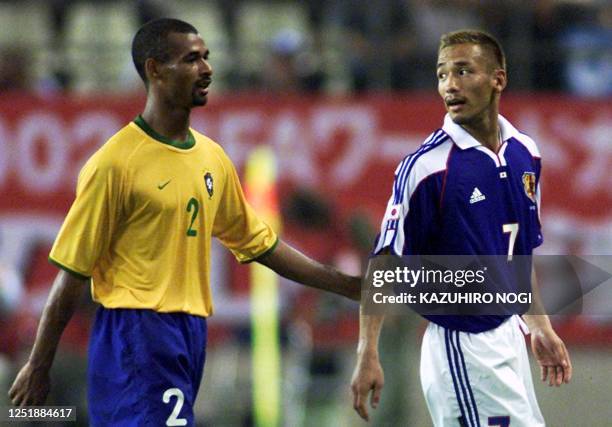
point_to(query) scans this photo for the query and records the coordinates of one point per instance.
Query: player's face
(187, 74)
(468, 82)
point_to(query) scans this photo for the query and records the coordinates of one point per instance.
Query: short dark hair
(151, 41)
(478, 38)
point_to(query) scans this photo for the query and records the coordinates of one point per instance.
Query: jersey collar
(507, 130)
(188, 143)
(464, 140)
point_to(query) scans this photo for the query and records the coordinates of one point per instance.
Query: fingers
(560, 375)
(563, 372)
(552, 374)
(368, 377)
(563, 367)
(567, 366)
(375, 398)
(543, 373)
(12, 392)
(557, 375)
(555, 364)
(359, 399)
(21, 396)
(18, 399)
(14, 395)
(569, 370)
(26, 400)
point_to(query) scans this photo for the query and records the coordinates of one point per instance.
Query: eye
(441, 76)
(464, 71)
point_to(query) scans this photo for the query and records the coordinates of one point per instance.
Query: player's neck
(168, 121)
(486, 131)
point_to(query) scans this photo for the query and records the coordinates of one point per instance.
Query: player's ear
(499, 80)
(152, 69)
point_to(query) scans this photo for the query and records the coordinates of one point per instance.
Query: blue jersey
(454, 196)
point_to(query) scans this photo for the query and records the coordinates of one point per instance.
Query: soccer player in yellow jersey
(147, 205)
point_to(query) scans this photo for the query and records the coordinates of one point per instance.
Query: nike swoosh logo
(161, 186)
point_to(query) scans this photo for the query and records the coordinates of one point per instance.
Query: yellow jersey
(144, 214)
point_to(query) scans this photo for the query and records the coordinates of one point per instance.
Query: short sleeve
(236, 224)
(88, 228)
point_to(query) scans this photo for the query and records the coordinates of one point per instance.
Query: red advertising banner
(345, 147)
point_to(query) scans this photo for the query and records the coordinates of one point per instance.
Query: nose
(451, 85)
(205, 68)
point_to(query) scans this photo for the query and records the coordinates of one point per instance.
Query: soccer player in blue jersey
(139, 234)
(471, 189)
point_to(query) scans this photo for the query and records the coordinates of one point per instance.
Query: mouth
(202, 86)
(455, 104)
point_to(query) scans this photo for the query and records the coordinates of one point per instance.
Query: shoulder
(430, 158)
(423, 165)
(114, 155)
(203, 139)
(121, 146)
(208, 143)
(508, 130)
(529, 144)
(213, 149)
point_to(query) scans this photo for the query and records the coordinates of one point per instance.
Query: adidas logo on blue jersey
(477, 196)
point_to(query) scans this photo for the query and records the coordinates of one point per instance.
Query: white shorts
(474, 380)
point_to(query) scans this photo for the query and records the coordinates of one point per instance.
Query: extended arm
(32, 384)
(547, 347)
(292, 264)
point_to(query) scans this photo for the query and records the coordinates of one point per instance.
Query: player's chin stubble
(198, 101)
(459, 119)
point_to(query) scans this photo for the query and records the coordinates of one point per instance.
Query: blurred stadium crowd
(310, 46)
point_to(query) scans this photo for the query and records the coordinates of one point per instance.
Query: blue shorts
(144, 367)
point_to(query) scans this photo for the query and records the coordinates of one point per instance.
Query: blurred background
(341, 91)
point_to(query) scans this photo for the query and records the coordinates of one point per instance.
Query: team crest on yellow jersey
(208, 181)
(529, 184)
